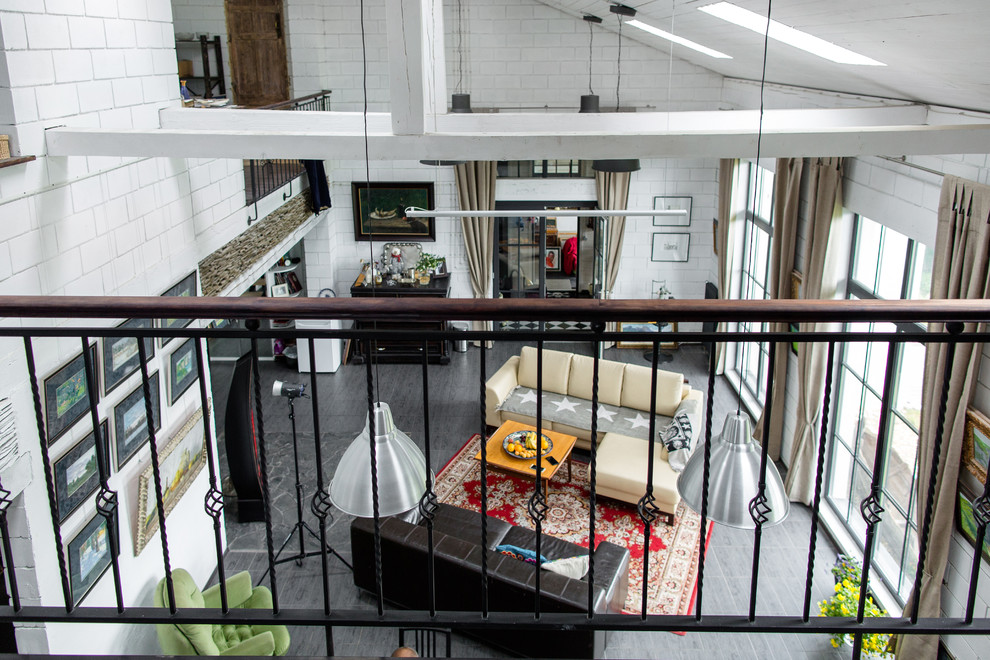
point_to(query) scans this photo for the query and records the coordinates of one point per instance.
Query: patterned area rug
(673, 568)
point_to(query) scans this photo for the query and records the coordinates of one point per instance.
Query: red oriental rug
(673, 548)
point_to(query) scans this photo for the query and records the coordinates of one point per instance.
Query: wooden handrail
(821, 311)
(302, 99)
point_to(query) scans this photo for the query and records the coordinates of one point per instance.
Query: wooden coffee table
(501, 461)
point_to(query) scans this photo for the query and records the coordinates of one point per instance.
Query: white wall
(99, 226)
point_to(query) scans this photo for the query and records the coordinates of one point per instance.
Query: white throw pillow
(678, 436)
(572, 567)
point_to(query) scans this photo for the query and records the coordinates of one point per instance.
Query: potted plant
(848, 574)
(429, 262)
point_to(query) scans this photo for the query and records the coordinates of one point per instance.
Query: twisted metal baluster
(320, 504)
(950, 357)
(758, 506)
(598, 327)
(647, 505)
(484, 485)
(870, 508)
(49, 482)
(537, 506)
(428, 506)
(379, 589)
(819, 474)
(253, 325)
(106, 499)
(155, 468)
(213, 501)
(706, 475)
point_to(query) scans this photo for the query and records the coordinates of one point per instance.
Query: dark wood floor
(454, 416)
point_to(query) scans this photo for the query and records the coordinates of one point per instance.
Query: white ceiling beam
(564, 124)
(712, 143)
(416, 64)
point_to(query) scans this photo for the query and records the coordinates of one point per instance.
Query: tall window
(884, 265)
(751, 358)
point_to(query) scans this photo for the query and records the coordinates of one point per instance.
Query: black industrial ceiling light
(460, 101)
(589, 101)
(617, 164)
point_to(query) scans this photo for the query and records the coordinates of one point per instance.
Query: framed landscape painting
(67, 395)
(121, 357)
(183, 289)
(180, 462)
(89, 557)
(77, 473)
(976, 445)
(966, 521)
(380, 211)
(130, 426)
(182, 370)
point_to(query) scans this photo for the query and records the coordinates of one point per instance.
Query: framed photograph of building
(89, 556)
(663, 203)
(180, 461)
(185, 288)
(380, 211)
(77, 472)
(67, 395)
(130, 425)
(670, 247)
(182, 370)
(121, 357)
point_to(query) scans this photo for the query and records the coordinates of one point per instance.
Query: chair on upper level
(209, 639)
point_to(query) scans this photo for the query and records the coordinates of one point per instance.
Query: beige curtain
(821, 277)
(961, 269)
(476, 192)
(728, 180)
(787, 201)
(613, 193)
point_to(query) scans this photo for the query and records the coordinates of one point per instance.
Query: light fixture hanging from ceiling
(589, 101)
(382, 472)
(460, 101)
(617, 164)
(745, 489)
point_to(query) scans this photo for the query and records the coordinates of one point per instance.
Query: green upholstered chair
(209, 639)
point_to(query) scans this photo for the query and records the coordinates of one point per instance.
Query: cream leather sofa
(622, 459)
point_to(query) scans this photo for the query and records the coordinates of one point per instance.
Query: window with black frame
(884, 264)
(750, 358)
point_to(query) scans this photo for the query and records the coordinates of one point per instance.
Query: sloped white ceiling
(936, 51)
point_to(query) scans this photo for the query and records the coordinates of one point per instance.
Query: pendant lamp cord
(618, 66)
(591, 46)
(367, 178)
(759, 140)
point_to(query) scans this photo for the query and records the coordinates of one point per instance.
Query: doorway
(259, 69)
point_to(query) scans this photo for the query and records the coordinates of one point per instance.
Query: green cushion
(207, 639)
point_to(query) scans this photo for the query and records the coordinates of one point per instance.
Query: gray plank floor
(454, 416)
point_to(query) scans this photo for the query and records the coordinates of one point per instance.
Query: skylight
(678, 40)
(788, 35)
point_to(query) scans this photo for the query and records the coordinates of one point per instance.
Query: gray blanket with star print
(577, 412)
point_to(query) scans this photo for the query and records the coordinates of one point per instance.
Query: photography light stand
(292, 392)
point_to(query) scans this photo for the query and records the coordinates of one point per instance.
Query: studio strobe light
(288, 390)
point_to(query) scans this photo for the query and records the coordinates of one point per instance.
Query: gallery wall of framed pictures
(123, 440)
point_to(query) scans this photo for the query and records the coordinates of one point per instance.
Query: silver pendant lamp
(615, 164)
(734, 477)
(401, 470)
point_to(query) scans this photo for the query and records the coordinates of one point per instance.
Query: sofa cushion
(679, 436)
(556, 368)
(564, 411)
(622, 463)
(637, 383)
(609, 379)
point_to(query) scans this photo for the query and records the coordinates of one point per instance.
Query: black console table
(404, 350)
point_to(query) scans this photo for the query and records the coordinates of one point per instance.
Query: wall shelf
(10, 162)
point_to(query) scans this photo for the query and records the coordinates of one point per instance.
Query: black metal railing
(262, 177)
(952, 313)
